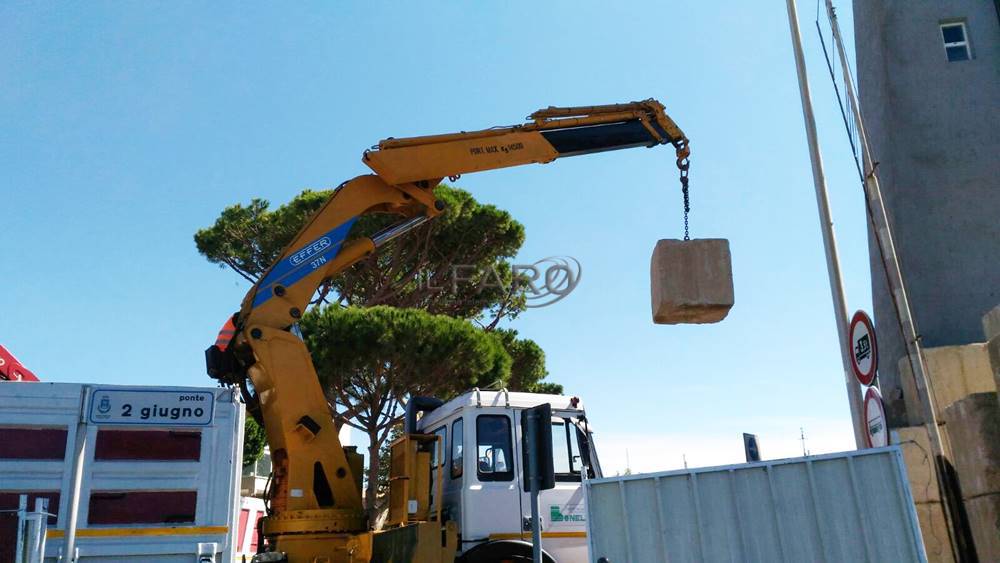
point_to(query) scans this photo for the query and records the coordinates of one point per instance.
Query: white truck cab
(483, 482)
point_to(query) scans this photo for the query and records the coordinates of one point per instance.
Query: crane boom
(552, 133)
(316, 507)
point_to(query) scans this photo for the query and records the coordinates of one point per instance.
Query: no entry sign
(863, 352)
(876, 429)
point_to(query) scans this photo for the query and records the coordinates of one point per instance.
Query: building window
(956, 41)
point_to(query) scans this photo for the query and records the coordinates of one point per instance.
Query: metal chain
(683, 164)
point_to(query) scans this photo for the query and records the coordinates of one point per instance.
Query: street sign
(750, 447)
(863, 352)
(876, 428)
(151, 407)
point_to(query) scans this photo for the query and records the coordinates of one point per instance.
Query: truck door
(494, 499)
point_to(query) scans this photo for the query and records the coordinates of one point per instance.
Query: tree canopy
(457, 265)
(373, 358)
(249, 238)
(254, 440)
(527, 369)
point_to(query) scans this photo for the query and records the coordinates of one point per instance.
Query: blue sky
(127, 127)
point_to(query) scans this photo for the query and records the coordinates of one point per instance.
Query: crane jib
(598, 138)
(303, 261)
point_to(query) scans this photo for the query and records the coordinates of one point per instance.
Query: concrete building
(929, 84)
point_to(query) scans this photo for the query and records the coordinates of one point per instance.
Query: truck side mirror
(536, 441)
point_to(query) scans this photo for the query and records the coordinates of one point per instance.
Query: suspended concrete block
(691, 281)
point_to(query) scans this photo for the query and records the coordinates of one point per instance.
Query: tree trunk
(371, 490)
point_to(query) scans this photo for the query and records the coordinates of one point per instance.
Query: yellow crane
(316, 512)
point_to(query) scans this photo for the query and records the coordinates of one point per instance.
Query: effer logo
(308, 252)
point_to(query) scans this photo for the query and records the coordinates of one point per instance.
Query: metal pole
(533, 480)
(536, 529)
(22, 521)
(914, 349)
(80, 450)
(42, 507)
(826, 226)
(31, 545)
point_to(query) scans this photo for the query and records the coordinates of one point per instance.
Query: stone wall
(968, 412)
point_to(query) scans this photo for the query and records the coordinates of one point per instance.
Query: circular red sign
(863, 352)
(876, 427)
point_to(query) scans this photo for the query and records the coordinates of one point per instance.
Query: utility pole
(826, 226)
(958, 532)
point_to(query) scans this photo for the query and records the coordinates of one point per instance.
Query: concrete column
(922, 475)
(955, 372)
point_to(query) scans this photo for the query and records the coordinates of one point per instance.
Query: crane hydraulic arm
(314, 492)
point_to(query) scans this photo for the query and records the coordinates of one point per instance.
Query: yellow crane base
(420, 542)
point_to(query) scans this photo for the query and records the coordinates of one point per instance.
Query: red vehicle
(11, 369)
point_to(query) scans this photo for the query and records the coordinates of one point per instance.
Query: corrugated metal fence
(851, 506)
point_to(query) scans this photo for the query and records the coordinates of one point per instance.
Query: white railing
(31, 530)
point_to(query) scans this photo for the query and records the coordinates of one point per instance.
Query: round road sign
(863, 352)
(876, 429)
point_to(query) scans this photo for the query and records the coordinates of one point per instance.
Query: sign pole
(826, 226)
(536, 448)
(534, 481)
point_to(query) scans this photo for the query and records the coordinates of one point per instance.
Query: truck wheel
(503, 551)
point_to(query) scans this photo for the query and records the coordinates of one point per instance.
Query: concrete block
(984, 519)
(991, 323)
(691, 281)
(993, 351)
(973, 426)
(955, 372)
(935, 532)
(920, 469)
